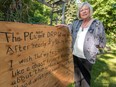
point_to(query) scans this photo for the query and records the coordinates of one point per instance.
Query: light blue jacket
(94, 37)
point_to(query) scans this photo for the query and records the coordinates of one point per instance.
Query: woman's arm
(100, 35)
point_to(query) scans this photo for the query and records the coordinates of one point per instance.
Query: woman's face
(84, 12)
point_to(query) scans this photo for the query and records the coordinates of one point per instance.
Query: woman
(88, 36)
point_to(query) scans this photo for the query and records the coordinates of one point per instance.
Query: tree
(105, 10)
(71, 10)
(39, 13)
(30, 11)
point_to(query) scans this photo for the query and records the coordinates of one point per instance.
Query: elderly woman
(88, 36)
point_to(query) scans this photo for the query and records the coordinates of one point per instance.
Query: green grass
(104, 70)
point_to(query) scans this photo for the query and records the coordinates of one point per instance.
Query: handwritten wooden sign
(34, 56)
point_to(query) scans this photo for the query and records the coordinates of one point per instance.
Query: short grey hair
(83, 4)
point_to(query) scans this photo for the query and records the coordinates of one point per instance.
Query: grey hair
(83, 4)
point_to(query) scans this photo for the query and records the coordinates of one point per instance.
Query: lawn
(104, 70)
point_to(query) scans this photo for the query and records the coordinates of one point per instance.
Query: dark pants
(82, 71)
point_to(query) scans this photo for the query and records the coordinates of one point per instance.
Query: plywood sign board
(34, 56)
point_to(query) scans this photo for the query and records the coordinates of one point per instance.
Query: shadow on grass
(102, 74)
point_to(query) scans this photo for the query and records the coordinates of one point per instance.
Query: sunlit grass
(104, 71)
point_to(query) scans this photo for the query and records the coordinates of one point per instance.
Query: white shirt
(79, 43)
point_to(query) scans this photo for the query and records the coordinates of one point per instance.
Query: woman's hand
(62, 26)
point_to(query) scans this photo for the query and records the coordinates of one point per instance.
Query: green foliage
(13, 10)
(30, 11)
(39, 13)
(111, 38)
(71, 85)
(105, 10)
(1, 15)
(71, 10)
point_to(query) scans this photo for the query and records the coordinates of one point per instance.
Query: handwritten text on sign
(34, 56)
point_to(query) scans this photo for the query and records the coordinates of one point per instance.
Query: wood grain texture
(34, 56)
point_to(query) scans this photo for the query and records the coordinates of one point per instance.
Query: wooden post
(63, 13)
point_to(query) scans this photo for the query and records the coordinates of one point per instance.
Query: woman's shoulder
(96, 21)
(76, 21)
